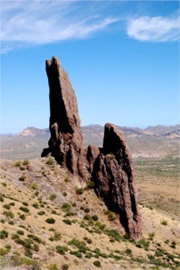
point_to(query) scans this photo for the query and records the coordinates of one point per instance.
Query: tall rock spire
(66, 143)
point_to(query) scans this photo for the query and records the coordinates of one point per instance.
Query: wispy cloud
(25, 22)
(154, 29)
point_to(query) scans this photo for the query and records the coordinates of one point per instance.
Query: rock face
(110, 167)
(112, 173)
(66, 143)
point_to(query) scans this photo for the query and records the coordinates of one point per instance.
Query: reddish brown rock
(113, 177)
(65, 144)
(110, 167)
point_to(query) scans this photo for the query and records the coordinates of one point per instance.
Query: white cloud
(25, 22)
(155, 29)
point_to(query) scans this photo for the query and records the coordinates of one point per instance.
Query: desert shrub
(164, 222)
(11, 222)
(52, 197)
(3, 234)
(60, 250)
(66, 207)
(66, 179)
(3, 252)
(50, 220)
(1, 198)
(88, 255)
(143, 244)
(34, 186)
(151, 236)
(88, 240)
(50, 161)
(12, 204)
(79, 191)
(128, 251)
(25, 162)
(80, 245)
(67, 221)
(24, 209)
(35, 247)
(7, 206)
(173, 244)
(87, 217)
(90, 184)
(86, 210)
(53, 267)
(8, 214)
(22, 178)
(65, 267)
(34, 237)
(76, 253)
(100, 225)
(113, 234)
(35, 205)
(41, 213)
(97, 263)
(14, 236)
(8, 246)
(23, 217)
(20, 232)
(2, 221)
(95, 217)
(17, 164)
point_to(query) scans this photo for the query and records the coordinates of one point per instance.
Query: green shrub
(86, 210)
(50, 161)
(128, 251)
(3, 234)
(41, 213)
(95, 217)
(34, 186)
(1, 198)
(8, 214)
(91, 184)
(34, 237)
(35, 205)
(22, 178)
(97, 263)
(60, 250)
(53, 267)
(20, 232)
(143, 244)
(67, 221)
(76, 253)
(3, 252)
(24, 209)
(79, 191)
(25, 162)
(52, 197)
(66, 207)
(15, 236)
(23, 217)
(17, 164)
(87, 217)
(65, 267)
(164, 222)
(7, 206)
(50, 220)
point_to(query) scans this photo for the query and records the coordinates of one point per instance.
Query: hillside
(47, 222)
(157, 141)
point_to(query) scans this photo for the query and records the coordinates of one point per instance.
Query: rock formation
(110, 167)
(65, 144)
(112, 173)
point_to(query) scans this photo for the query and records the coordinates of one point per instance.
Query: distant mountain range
(155, 141)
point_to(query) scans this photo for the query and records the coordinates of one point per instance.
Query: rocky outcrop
(112, 173)
(66, 143)
(110, 167)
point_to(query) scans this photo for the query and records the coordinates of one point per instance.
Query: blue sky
(121, 57)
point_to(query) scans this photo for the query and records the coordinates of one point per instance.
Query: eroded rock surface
(110, 167)
(66, 143)
(113, 176)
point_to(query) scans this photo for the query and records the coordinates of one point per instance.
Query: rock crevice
(110, 167)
